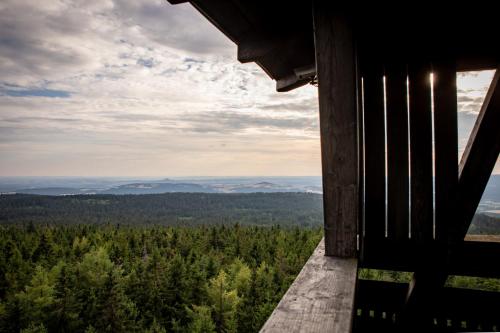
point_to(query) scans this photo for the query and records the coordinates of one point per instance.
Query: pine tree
(64, 314)
(224, 302)
(37, 299)
(201, 320)
(117, 313)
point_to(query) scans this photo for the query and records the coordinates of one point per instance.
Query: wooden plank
(420, 152)
(431, 263)
(321, 299)
(374, 124)
(445, 147)
(479, 157)
(338, 128)
(397, 152)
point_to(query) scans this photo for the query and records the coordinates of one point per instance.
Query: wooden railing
(326, 296)
(321, 299)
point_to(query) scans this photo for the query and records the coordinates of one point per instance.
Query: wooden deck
(321, 299)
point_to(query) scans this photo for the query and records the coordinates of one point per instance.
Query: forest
(174, 262)
(170, 209)
(111, 278)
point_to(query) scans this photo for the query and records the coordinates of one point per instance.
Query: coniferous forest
(144, 277)
(176, 262)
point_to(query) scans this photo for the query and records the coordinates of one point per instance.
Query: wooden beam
(321, 299)
(479, 157)
(336, 70)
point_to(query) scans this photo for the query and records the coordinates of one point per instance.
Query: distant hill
(155, 188)
(484, 224)
(75, 185)
(286, 209)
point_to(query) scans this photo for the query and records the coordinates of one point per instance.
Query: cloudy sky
(143, 88)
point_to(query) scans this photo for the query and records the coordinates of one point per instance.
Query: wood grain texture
(321, 299)
(338, 128)
(397, 152)
(421, 152)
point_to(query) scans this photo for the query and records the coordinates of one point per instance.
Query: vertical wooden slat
(428, 278)
(445, 146)
(335, 66)
(421, 152)
(373, 109)
(397, 152)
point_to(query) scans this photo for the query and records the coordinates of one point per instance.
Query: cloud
(15, 91)
(124, 87)
(241, 122)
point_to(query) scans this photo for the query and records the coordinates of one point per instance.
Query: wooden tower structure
(385, 125)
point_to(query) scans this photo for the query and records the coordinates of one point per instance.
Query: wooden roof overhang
(278, 35)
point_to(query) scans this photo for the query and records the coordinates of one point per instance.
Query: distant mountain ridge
(62, 186)
(166, 185)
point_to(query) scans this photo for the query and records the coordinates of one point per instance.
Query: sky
(144, 88)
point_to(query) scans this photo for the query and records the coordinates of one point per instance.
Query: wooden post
(336, 70)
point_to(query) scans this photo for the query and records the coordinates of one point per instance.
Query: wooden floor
(321, 299)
